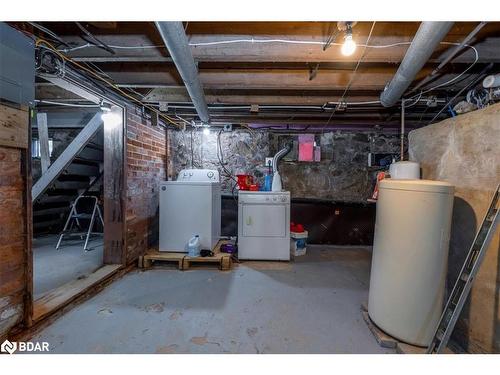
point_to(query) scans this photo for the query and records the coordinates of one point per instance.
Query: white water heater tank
(407, 170)
(410, 257)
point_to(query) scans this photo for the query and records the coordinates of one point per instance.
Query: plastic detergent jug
(193, 246)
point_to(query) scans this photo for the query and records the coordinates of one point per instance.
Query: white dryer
(264, 225)
(190, 206)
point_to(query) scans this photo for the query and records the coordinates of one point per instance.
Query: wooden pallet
(184, 261)
(387, 341)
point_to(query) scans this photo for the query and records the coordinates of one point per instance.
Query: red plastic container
(297, 228)
(244, 181)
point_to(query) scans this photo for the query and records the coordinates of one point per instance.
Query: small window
(35, 148)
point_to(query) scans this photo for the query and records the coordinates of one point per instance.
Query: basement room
(209, 186)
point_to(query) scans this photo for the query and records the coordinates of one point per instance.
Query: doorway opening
(77, 173)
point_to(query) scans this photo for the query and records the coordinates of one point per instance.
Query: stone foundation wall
(342, 174)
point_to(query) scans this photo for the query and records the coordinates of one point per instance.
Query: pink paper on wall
(306, 147)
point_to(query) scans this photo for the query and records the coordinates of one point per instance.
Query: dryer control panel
(199, 175)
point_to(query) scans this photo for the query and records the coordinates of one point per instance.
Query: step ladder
(465, 279)
(74, 218)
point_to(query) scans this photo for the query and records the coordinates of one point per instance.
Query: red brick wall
(12, 239)
(146, 167)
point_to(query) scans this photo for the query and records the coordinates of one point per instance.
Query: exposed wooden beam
(282, 79)
(71, 86)
(208, 32)
(123, 59)
(262, 97)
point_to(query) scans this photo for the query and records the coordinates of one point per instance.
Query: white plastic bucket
(298, 243)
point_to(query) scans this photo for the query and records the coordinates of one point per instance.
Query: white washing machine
(190, 206)
(264, 225)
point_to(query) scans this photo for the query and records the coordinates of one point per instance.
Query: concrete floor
(53, 268)
(308, 306)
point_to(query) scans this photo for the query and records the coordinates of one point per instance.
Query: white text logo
(8, 347)
(21, 346)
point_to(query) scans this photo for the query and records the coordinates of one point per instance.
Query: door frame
(114, 181)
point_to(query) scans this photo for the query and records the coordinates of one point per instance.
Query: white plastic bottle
(193, 246)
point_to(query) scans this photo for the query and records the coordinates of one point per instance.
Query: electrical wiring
(238, 41)
(39, 43)
(51, 34)
(469, 85)
(97, 42)
(476, 58)
(415, 98)
(90, 45)
(351, 79)
(247, 127)
(414, 102)
(220, 157)
(282, 41)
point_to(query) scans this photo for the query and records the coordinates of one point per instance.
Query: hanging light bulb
(206, 130)
(349, 45)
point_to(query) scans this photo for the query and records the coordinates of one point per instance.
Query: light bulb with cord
(349, 45)
(206, 130)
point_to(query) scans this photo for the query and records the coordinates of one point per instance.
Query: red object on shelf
(254, 187)
(297, 228)
(244, 181)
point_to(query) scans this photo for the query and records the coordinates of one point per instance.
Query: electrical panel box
(17, 66)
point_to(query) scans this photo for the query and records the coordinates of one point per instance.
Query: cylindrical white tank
(407, 170)
(410, 256)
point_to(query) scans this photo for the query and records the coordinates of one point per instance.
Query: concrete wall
(465, 151)
(146, 167)
(342, 174)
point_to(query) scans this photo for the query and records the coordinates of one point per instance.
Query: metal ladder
(74, 217)
(465, 279)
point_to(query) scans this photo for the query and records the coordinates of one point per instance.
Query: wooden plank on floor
(384, 340)
(64, 294)
(387, 341)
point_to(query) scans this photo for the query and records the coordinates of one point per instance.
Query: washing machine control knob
(210, 174)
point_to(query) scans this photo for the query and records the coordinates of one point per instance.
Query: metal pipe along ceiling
(428, 36)
(175, 39)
